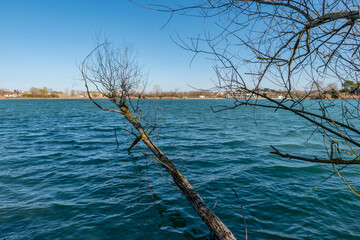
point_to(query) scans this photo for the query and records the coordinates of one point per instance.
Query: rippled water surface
(62, 175)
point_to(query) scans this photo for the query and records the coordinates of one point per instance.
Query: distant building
(25, 92)
(11, 95)
(239, 94)
(94, 94)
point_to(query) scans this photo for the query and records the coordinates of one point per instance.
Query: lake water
(62, 175)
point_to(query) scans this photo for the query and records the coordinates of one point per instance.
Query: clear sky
(43, 42)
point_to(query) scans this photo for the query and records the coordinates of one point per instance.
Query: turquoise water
(62, 175)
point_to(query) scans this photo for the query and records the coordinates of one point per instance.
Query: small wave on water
(62, 175)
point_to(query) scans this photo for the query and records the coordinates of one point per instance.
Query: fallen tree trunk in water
(198, 204)
(116, 75)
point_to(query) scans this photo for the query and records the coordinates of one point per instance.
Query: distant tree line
(41, 93)
(318, 90)
(35, 92)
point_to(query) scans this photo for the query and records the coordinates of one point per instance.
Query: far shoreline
(152, 98)
(80, 98)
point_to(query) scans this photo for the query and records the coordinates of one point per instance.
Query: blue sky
(43, 41)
